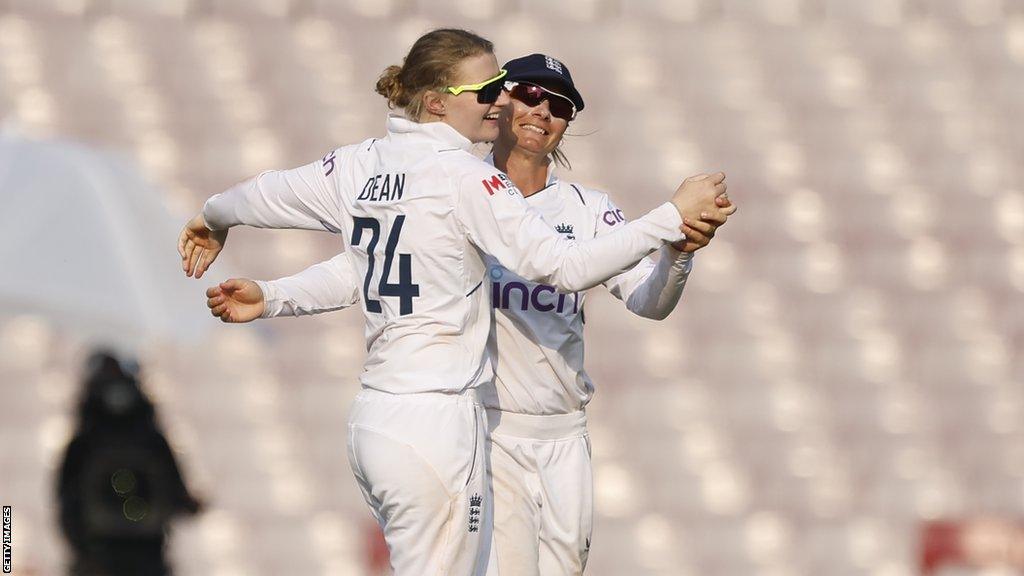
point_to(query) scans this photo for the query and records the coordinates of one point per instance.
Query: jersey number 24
(405, 290)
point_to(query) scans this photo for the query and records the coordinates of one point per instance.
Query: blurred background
(840, 392)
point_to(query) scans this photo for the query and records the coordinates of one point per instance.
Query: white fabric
(452, 208)
(420, 462)
(537, 341)
(323, 287)
(543, 493)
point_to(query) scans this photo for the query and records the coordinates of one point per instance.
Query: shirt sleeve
(650, 289)
(303, 197)
(498, 220)
(330, 285)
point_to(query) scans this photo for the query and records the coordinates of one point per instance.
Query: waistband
(550, 427)
(469, 396)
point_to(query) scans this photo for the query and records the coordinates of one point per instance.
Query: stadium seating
(845, 363)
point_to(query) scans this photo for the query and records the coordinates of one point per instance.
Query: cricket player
(539, 452)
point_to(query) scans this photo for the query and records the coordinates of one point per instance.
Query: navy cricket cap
(537, 68)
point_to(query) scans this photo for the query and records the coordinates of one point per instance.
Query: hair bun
(390, 86)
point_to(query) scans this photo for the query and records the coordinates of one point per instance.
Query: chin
(532, 145)
(488, 134)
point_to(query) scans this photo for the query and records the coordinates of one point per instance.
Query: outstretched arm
(499, 221)
(329, 285)
(651, 289)
(303, 198)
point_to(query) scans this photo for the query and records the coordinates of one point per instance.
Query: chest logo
(475, 503)
(566, 229)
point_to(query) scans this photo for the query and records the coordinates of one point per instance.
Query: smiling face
(531, 129)
(477, 122)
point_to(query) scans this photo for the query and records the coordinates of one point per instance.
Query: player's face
(531, 129)
(477, 122)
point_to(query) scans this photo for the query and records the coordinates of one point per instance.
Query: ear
(435, 102)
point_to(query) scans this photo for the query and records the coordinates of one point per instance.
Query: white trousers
(543, 493)
(420, 462)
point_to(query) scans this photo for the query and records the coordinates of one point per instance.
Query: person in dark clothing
(119, 485)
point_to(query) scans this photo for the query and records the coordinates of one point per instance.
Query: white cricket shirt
(417, 213)
(537, 341)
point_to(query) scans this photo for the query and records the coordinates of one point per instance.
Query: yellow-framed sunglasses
(487, 92)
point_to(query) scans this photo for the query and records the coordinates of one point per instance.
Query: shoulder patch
(329, 163)
(613, 216)
(498, 181)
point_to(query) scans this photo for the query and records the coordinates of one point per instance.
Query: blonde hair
(431, 64)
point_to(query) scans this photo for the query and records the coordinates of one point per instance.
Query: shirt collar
(443, 134)
(552, 176)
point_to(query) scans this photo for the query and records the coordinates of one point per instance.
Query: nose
(543, 109)
(503, 99)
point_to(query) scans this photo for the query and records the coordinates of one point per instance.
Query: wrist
(213, 215)
(677, 251)
(267, 299)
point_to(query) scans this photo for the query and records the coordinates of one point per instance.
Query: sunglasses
(487, 92)
(532, 95)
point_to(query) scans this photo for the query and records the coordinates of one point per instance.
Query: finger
(730, 209)
(200, 268)
(232, 284)
(204, 262)
(181, 243)
(704, 228)
(696, 178)
(190, 247)
(226, 316)
(694, 230)
(718, 178)
(193, 261)
(213, 291)
(219, 310)
(695, 236)
(720, 188)
(215, 301)
(722, 201)
(715, 217)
